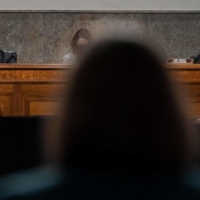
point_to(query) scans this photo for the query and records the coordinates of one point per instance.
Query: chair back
(8, 56)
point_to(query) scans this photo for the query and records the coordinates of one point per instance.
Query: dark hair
(81, 33)
(122, 117)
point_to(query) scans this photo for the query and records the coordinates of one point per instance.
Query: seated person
(8, 57)
(107, 148)
(79, 44)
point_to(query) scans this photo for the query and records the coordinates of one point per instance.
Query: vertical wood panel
(17, 100)
(6, 104)
(27, 89)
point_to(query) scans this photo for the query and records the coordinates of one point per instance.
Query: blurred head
(121, 116)
(80, 41)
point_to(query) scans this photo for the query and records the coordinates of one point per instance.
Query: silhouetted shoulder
(26, 184)
(80, 184)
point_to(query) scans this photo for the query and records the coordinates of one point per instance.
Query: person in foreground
(121, 135)
(79, 44)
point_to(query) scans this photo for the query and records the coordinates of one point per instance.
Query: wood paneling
(27, 89)
(6, 88)
(40, 104)
(43, 108)
(32, 89)
(5, 104)
(6, 97)
(187, 78)
(42, 88)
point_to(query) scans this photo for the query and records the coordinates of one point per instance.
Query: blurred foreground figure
(122, 135)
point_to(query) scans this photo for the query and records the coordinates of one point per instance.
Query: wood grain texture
(40, 103)
(16, 100)
(37, 75)
(43, 108)
(186, 77)
(27, 89)
(182, 66)
(43, 88)
(33, 89)
(6, 97)
(35, 66)
(6, 88)
(5, 104)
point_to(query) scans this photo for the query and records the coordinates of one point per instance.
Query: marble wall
(45, 37)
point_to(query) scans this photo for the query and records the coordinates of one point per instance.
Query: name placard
(180, 60)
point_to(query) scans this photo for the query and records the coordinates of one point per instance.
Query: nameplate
(180, 60)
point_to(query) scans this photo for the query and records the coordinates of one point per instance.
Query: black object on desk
(8, 56)
(196, 59)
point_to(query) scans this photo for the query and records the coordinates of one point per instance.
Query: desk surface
(35, 66)
(183, 66)
(61, 66)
